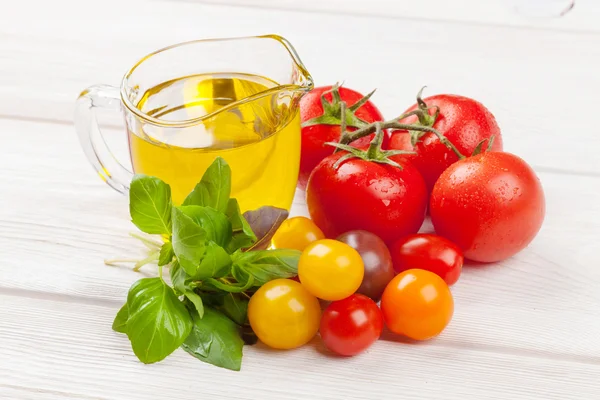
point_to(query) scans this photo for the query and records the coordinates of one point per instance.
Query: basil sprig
(215, 261)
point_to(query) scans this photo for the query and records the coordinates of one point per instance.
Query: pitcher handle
(94, 146)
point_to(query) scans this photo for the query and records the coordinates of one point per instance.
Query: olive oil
(247, 121)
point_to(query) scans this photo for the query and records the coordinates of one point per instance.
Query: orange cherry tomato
(417, 304)
(330, 270)
(296, 233)
(283, 314)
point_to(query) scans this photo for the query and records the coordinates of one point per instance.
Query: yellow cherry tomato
(330, 270)
(283, 314)
(296, 233)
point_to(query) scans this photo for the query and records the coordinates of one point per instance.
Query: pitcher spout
(300, 76)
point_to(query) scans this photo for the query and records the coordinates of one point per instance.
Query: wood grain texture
(514, 13)
(73, 343)
(526, 77)
(526, 328)
(530, 303)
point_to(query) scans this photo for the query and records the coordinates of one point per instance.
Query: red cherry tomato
(430, 252)
(314, 137)
(491, 205)
(464, 121)
(380, 198)
(351, 325)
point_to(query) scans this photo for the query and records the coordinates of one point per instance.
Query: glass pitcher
(186, 104)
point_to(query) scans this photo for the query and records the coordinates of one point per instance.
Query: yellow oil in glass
(259, 138)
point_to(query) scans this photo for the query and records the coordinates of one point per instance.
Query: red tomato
(380, 198)
(491, 205)
(314, 137)
(351, 325)
(463, 121)
(430, 252)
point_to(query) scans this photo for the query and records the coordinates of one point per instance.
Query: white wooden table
(528, 328)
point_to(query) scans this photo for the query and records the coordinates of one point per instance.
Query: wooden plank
(524, 329)
(541, 14)
(62, 348)
(539, 84)
(16, 391)
(62, 221)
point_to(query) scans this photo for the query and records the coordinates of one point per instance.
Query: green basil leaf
(198, 343)
(239, 241)
(166, 254)
(213, 299)
(265, 265)
(216, 224)
(238, 272)
(230, 287)
(181, 282)
(215, 264)
(215, 339)
(235, 306)
(196, 301)
(120, 322)
(264, 223)
(179, 278)
(214, 188)
(188, 241)
(242, 235)
(150, 204)
(158, 322)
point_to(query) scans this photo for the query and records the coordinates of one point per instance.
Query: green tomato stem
(375, 146)
(343, 120)
(394, 124)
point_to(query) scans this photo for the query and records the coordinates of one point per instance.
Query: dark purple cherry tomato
(351, 325)
(379, 269)
(430, 252)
